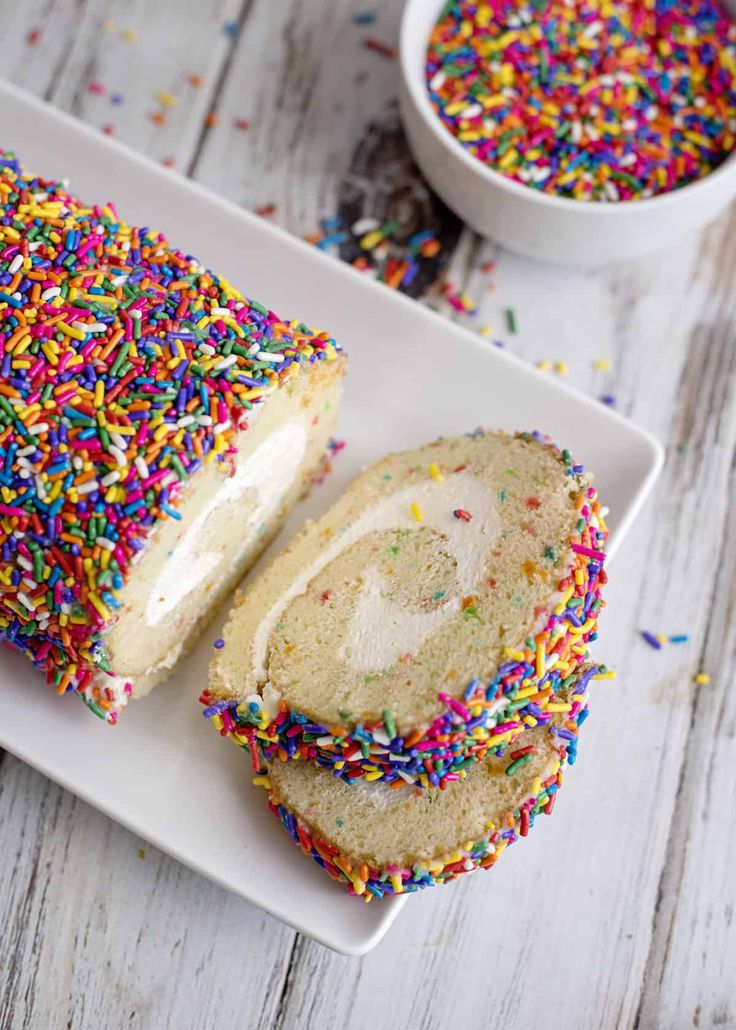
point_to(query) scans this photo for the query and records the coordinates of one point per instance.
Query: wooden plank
(324, 139)
(690, 973)
(111, 61)
(100, 929)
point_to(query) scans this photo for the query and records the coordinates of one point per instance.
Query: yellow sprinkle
(435, 472)
(261, 781)
(544, 366)
(397, 884)
(417, 512)
(540, 660)
(486, 330)
(100, 606)
(609, 675)
(561, 368)
(702, 679)
(371, 240)
(129, 35)
(661, 638)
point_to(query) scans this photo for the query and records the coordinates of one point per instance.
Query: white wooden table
(640, 931)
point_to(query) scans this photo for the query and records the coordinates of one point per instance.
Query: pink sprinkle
(589, 552)
(456, 706)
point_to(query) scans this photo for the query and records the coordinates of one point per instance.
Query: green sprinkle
(511, 320)
(514, 766)
(388, 722)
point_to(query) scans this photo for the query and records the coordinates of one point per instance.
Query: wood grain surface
(620, 911)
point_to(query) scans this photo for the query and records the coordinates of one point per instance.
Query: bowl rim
(416, 89)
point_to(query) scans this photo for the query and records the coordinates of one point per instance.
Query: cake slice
(380, 841)
(157, 425)
(434, 612)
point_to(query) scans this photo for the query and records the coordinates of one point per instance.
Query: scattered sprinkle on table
(601, 100)
(702, 679)
(379, 47)
(651, 639)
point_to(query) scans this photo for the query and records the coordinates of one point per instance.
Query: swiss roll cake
(380, 841)
(436, 611)
(155, 427)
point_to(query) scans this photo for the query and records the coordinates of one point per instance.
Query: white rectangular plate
(413, 376)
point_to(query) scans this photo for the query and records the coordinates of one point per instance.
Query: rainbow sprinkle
(124, 366)
(602, 100)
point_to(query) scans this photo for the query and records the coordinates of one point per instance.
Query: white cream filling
(380, 629)
(269, 472)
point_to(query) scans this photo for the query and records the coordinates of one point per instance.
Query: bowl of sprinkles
(576, 131)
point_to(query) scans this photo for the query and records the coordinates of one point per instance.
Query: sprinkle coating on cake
(369, 880)
(125, 365)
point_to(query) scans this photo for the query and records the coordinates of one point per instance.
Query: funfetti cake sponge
(433, 613)
(155, 427)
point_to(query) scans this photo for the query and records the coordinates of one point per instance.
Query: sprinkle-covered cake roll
(434, 613)
(155, 427)
(380, 842)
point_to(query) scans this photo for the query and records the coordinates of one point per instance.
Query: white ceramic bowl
(542, 226)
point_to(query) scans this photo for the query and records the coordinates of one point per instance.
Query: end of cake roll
(380, 842)
(433, 613)
(156, 427)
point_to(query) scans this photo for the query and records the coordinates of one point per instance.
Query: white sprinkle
(141, 467)
(39, 428)
(364, 225)
(90, 327)
(437, 81)
(185, 420)
(264, 355)
(15, 264)
(207, 348)
(24, 563)
(227, 362)
(77, 463)
(221, 311)
(119, 441)
(110, 478)
(25, 451)
(103, 541)
(471, 111)
(89, 487)
(26, 601)
(205, 420)
(118, 455)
